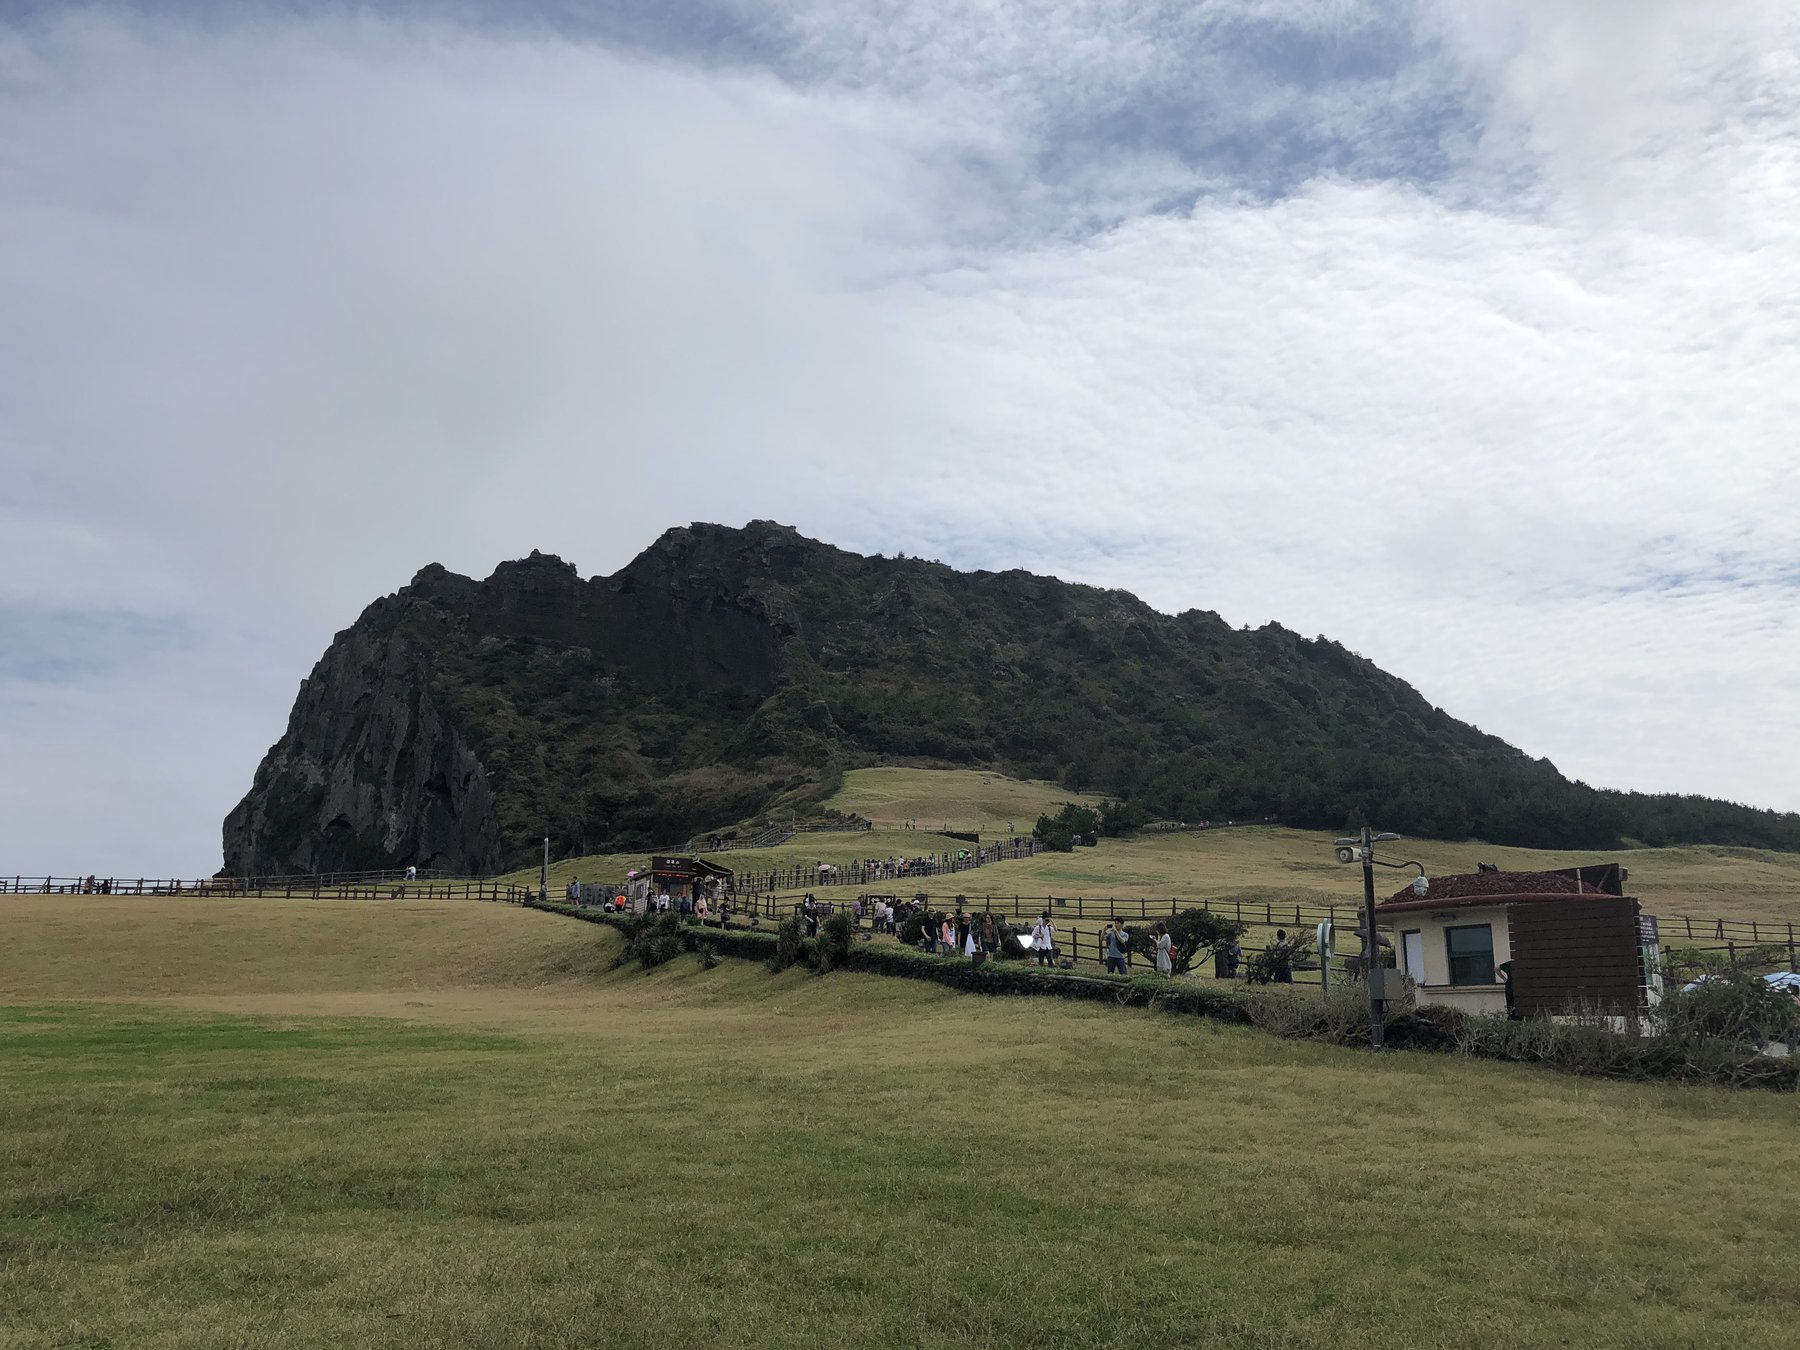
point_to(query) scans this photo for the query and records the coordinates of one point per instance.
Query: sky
(1465, 332)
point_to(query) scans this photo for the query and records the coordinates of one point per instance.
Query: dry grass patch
(126, 947)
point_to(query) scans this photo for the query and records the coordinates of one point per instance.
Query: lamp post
(1363, 850)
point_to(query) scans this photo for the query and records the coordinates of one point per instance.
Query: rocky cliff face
(371, 773)
(458, 720)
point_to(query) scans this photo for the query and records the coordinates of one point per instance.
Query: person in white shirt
(1165, 951)
(1043, 939)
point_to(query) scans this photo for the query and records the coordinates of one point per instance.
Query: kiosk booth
(683, 878)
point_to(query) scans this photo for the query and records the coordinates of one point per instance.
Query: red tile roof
(1490, 888)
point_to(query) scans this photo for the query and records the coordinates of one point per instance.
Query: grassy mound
(963, 799)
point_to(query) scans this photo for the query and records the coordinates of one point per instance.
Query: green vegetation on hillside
(729, 674)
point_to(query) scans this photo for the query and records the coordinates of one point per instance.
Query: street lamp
(1362, 850)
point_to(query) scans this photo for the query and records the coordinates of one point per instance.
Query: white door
(1413, 953)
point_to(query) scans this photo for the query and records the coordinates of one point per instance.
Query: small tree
(1058, 833)
(1120, 818)
(1197, 931)
(1264, 966)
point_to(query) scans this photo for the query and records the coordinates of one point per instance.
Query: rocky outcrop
(371, 773)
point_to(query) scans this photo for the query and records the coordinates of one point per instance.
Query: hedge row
(1343, 1019)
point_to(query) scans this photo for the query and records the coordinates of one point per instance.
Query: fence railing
(287, 888)
(774, 837)
(93, 884)
(885, 871)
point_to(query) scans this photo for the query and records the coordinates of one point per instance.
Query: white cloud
(288, 309)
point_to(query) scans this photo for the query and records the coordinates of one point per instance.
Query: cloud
(1400, 330)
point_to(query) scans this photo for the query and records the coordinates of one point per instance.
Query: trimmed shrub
(790, 943)
(832, 948)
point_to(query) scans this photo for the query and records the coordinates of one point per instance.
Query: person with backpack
(1118, 943)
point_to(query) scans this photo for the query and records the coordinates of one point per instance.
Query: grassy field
(404, 1124)
(962, 799)
(1256, 864)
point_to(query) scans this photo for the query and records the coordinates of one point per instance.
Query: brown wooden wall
(1576, 955)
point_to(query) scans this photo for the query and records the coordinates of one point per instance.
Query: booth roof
(1473, 889)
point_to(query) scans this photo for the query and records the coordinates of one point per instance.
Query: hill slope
(724, 672)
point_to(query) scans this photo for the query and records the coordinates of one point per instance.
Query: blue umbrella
(1784, 979)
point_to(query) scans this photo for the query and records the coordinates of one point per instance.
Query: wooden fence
(884, 871)
(286, 888)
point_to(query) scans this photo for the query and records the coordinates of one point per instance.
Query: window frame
(1452, 956)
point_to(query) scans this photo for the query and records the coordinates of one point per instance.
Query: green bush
(1058, 833)
(1734, 1005)
(790, 943)
(833, 946)
(912, 928)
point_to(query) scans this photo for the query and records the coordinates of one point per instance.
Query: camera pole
(1372, 969)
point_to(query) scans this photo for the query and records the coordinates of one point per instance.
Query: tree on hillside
(1058, 833)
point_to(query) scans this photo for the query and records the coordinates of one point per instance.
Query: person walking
(1165, 951)
(1043, 939)
(1118, 943)
(1283, 952)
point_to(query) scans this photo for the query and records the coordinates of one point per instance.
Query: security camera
(1420, 886)
(1346, 854)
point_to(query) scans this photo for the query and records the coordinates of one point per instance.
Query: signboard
(1650, 954)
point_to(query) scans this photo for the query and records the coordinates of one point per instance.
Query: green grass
(529, 1149)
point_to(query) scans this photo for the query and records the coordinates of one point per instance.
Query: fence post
(1719, 930)
(1731, 951)
(1268, 915)
(1754, 937)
